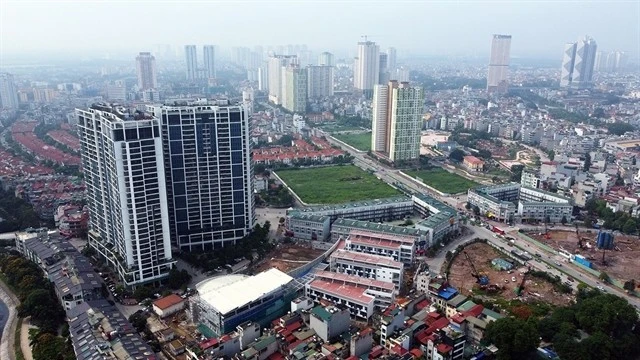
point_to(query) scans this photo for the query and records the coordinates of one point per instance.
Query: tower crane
(483, 280)
(520, 287)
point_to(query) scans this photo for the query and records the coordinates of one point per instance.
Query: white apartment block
(126, 192)
(366, 265)
(361, 296)
(319, 81)
(295, 89)
(366, 69)
(399, 248)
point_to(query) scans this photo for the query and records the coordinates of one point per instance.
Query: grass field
(360, 141)
(443, 180)
(335, 184)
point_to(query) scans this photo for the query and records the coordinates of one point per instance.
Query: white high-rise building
(366, 69)
(277, 65)
(191, 58)
(263, 77)
(295, 89)
(146, 71)
(8, 92)
(498, 75)
(117, 91)
(397, 121)
(578, 62)
(326, 59)
(126, 192)
(384, 76)
(208, 52)
(391, 61)
(320, 81)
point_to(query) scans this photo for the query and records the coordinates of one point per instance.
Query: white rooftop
(229, 292)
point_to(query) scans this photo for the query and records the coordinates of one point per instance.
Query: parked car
(513, 278)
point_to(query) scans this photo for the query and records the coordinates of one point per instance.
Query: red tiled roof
(444, 348)
(167, 301)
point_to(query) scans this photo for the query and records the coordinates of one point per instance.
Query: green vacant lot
(443, 180)
(361, 141)
(335, 184)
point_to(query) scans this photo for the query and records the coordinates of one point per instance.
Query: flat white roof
(229, 292)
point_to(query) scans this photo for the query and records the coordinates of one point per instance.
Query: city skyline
(466, 31)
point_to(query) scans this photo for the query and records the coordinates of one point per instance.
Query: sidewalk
(24, 338)
(7, 350)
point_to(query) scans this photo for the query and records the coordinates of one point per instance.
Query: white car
(513, 278)
(601, 288)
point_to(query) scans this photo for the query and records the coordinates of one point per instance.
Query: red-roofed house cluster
(64, 137)
(22, 133)
(12, 167)
(318, 150)
(46, 193)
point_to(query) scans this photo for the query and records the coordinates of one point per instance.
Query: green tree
(143, 292)
(629, 285)
(563, 220)
(515, 338)
(587, 161)
(44, 309)
(516, 172)
(629, 226)
(551, 154)
(139, 321)
(457, 155)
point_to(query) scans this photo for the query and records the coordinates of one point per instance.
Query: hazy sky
(539, 28)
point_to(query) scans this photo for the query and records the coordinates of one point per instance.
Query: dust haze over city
(435, 180)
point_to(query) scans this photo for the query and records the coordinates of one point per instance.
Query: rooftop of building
(547, 193)
(473, 160)
(226, 293)
(371, 260)
(308, 217)
(355, 204)
(343, 290)
(97, 329)
(357, 281)
(359, 235)
(168, 301)
(377, 227)
(433, 202)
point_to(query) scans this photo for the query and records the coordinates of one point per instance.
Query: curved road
(7, 343)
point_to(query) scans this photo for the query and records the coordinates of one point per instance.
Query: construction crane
(483, 280)
(546, 231)
(578, 235)
(520, 287)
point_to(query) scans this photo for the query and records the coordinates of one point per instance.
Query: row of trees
(257, 240)
(38, 300)
(278, 197)
(17, 213)
(619, 220)
(611, 325)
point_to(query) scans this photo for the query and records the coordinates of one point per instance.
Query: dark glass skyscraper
(209, 174)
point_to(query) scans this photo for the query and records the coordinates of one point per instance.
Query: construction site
(620, 262)
(472, 274)
(287, 257)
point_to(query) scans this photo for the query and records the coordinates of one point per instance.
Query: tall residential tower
(8, 92)
(366, 69)
(208, 52)
(498, 77)
(191, 58)
(146, 71)
(207, 157)
(578, 61)
(126, 192)
(397, 121)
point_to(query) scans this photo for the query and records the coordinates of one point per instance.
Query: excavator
(483, 280)
(520, 287)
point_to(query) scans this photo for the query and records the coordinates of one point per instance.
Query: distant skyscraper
(209, 174)
(391, 60)
(367, 66)
(497, 78)
(578, 61)
(125, 184)
(209, 61)
(295, 89)
(326, 59)
(8, 92)
(191, 57)
(320, 81)
(276, 67)
(117, 91)
(384, 76)
(263, 77)
(610, 62)
(397, 120)
(146, 71)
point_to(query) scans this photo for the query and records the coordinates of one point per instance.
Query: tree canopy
(515, 338)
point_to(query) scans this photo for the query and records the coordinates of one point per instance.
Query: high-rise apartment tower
(146, 71)
(498, 75)
(397, 121)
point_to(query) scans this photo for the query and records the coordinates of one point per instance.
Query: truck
(497, 230)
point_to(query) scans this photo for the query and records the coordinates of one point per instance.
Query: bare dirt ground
(621, 263)
(288, 257)
(481, 255)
